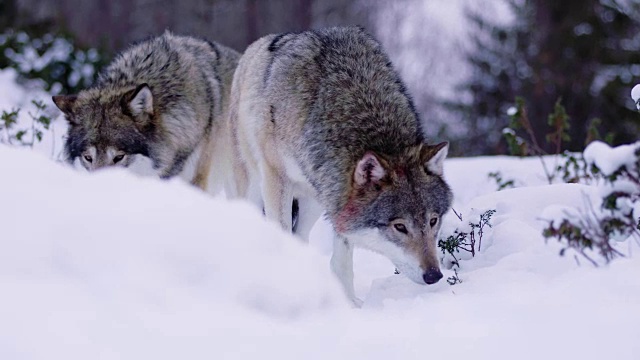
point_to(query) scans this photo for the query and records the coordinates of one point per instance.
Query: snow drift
(111, 266)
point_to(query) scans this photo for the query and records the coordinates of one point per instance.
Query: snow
(609, 159)
(109, 265)
(114, 266)
(635, 95)
(558, 213)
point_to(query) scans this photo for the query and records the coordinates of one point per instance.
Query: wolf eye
(433, 221)
(401, 228)
(88, 158)
(118, 158)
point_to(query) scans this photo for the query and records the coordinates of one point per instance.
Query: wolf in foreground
(322, 115)
(164, 98)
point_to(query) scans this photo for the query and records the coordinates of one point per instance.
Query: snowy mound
(111, 249)
(111, 266)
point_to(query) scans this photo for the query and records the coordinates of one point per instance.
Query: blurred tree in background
(65, 43)
(113, 24)
(584, 52)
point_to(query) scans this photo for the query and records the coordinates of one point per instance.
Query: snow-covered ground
(113, 266)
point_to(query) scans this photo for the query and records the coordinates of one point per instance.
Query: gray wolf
(323, 116)
(164, 98)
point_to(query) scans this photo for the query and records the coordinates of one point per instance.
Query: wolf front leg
(277, 196)
(342, 266)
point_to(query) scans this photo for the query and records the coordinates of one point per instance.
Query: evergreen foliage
(583, 52)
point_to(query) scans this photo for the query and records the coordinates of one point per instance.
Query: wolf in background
(321, 116)
(164, 98)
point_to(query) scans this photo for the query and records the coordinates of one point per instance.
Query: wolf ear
(433, 157)
(139, 101)
(65, 103)
(369, 170)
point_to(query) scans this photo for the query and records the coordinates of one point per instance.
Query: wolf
(164, 98)
(322, 115)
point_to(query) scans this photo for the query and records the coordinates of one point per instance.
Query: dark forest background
(112, 24)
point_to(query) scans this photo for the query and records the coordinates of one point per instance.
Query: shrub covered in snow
(613, 216)
(53, 60)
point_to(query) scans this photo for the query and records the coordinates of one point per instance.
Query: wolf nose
(432, 275)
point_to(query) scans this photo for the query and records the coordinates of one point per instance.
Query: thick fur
(164, 98)
(323, 116)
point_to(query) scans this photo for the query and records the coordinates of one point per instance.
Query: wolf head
(395, 208)
(108, 127)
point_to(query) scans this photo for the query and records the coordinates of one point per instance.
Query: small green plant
(479, 227)
(454, 243)
(574, 168)
(466, 241)
(559, 122)
(584, 236)
(593, 133)
(7, 122)
(454, 279)
(25, 136)
(519, 146)
(500, 181)
(38, 118)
